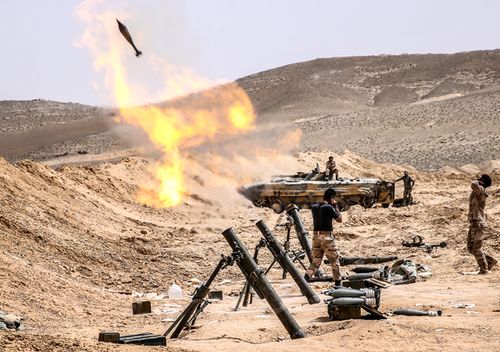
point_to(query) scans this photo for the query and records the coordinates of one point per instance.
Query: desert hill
(349, 83)
(424, 110)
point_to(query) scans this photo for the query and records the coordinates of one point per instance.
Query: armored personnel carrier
(303, 189)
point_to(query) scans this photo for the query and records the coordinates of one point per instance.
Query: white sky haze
(228, 39)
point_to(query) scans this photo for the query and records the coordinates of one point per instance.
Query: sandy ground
(75, 245)
(76, 248)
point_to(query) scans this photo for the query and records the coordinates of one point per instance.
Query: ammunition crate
(336, 312)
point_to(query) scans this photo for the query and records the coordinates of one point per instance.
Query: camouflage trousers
(407, 193)
(331, 173)
(323, 243)
(475, 242)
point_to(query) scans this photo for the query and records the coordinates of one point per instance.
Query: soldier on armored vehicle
(304, 189)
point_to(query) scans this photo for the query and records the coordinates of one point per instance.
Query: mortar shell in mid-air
(124, 31)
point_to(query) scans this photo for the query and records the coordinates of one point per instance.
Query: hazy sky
(228, 39)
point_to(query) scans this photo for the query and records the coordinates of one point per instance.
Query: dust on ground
(77, 250)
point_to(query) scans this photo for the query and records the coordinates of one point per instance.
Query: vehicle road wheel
(259, 202)
(277, 205)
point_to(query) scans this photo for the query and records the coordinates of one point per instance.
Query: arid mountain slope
(344, 84)
(424, 110)
(428, 134)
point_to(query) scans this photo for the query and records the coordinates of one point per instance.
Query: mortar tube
(364, 269)
(301, 231)
(365, 260)
(286, 263)
(261, 285)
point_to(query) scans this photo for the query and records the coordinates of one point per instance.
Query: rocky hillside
(424, 110)
(333, 85)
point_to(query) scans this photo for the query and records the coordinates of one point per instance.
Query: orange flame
(220, 111)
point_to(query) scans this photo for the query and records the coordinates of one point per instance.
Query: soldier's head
(485, 180)
(330, 158)
(406, 173)
(329, 194)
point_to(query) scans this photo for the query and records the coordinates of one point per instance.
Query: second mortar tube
(261, 285)
(302, 233)
(286, 263)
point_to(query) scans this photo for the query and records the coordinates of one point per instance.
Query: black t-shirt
(323, 215)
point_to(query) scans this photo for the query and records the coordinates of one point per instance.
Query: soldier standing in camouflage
(408, 184)
(331, 168)
(323, 240)
(477, 221)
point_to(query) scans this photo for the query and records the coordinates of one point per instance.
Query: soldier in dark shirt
(323, 241)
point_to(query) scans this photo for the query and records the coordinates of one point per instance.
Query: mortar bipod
(198, 302)
(281, 256)
(246, 293)
(261, 285)
(294, 255)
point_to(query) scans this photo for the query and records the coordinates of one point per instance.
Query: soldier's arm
(412, 182)
(476, 187)
(399, 179)
(336, 214)
(339, 217)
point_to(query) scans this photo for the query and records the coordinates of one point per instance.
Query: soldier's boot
(338, 282)
(483, 264)
(492, 262)
(319, 273)
(309, 274)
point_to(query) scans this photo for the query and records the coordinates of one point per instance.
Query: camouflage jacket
(477, 201)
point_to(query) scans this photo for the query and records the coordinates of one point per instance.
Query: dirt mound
(75, 245)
